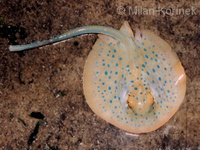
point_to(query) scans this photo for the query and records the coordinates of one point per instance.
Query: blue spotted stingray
(135, 82)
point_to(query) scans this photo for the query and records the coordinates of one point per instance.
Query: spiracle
(135, 82)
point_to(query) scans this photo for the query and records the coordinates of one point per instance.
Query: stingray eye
(130, 101)
(137, 89)
(149, 98)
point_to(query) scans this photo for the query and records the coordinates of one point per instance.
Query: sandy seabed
(49, 79)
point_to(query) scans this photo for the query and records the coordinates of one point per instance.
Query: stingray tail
(69, 34)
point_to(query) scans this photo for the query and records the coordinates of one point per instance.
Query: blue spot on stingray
(113, 56)
(138, 46)
(142, 43)
(135, 88)
(108, 65)
(145, 49)
(116, 73)
(153, 70)
(146, 56)
(158, 66)
(103, 83)
(110, 101)
(168, 91)
(116, 64)
(143, 65)
(120, 58)
(106, 72)
(159, 78)
(109, 88)
(115, 50)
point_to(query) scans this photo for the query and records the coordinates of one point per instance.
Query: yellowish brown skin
(147, 112)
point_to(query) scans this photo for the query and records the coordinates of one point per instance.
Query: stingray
(133, 81)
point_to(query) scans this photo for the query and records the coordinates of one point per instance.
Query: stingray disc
(140, 95)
